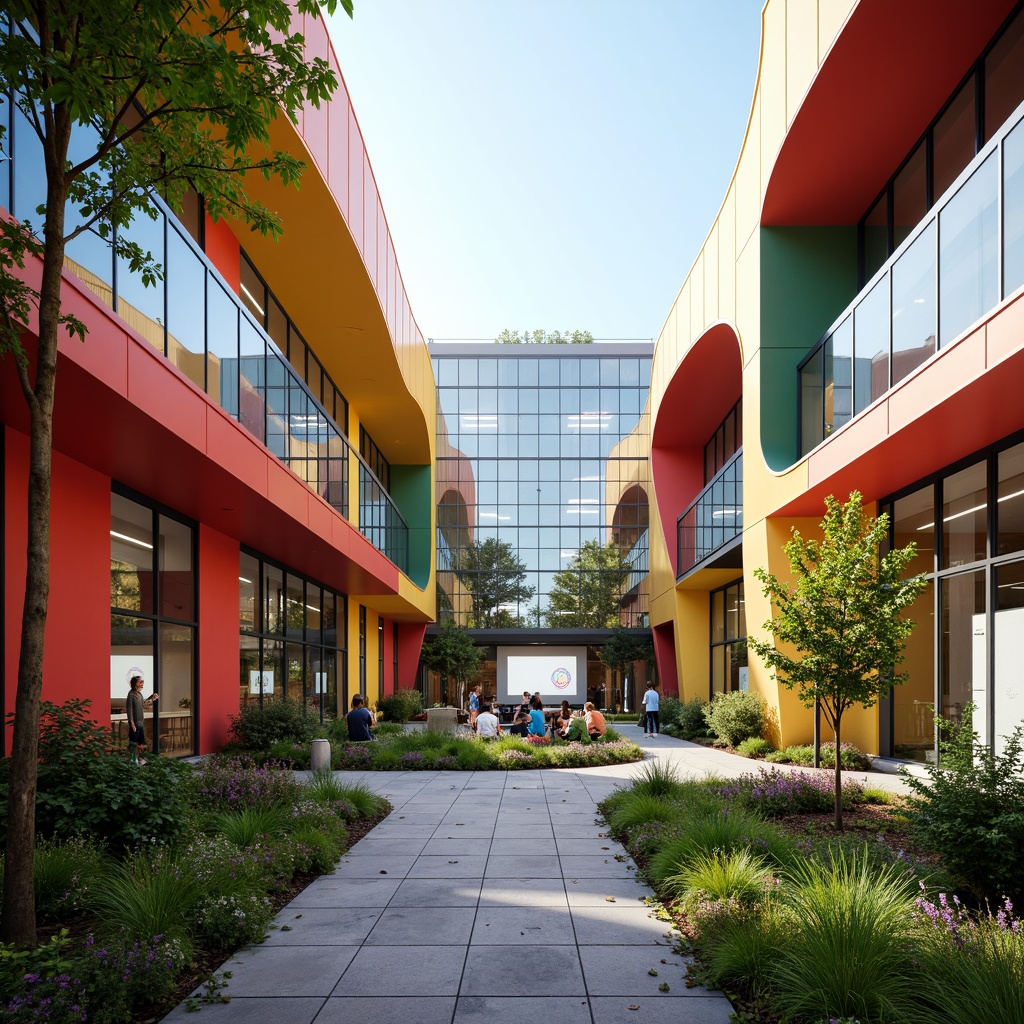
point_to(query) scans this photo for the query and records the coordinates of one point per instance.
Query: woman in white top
(651, 706)
(487, 725)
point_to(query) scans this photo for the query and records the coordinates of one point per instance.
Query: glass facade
(728, 639)
(153, 620)
(292, 632)
(944, 278)
(242, 350)
(968, 643)
(542, 504)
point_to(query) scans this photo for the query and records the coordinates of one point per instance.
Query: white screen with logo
(559, 673)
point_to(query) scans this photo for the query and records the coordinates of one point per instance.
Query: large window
(728, 639)
(968, 525)
(292, 641)
(153, 625)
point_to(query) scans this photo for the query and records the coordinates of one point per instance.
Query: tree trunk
(839, 779)
(18, 916)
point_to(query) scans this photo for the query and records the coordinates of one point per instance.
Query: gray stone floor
(492, 896)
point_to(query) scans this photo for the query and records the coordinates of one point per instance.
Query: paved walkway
(485, 896)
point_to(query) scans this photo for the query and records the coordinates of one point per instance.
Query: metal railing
(713, 519)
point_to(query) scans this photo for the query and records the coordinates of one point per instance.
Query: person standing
(135, 707)
(474, 705)
(651, 702)
(359, 720)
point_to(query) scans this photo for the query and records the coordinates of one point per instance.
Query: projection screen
(559, 673)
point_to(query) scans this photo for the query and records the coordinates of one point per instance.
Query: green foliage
(64, 870)
(493, 576)
(843, 616)
(970, 810)
(625, 647)
(259, 727)
(639, 807)
(739, 876)
(230, 920)
(754, 746)
(585, 594)
(244, 826)
(84, 790)
(401, 705)
(850, 758)
(724, 830)
(975, 975)
(145, 897)
(735, 716)
(743, 947)
(507, 337)
(453, 654)
(853, 951)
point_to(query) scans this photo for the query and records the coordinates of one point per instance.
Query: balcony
(958, 263)
(714, 521)
(208, 333)
(638, 562)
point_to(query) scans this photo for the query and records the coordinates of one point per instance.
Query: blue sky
(551, 164)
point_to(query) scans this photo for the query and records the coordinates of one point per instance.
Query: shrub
(741, 945)
(291, 754)
(229, 783)
(851, 759)
(754, 746)
(853, 949)
(640, 808)
(230, 920)
(692, 720)
(670, 709)
(735, 716)
(244, 826)
(970, 810)
(973, 970)
(775, 793)
(63, 871)
(401, 705)
(259, 727)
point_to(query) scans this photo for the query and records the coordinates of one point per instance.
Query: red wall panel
(218, 637)
(223, 251)
(410, 640)
(76, 662)
(665, 654)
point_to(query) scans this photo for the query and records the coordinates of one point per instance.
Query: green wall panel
(411, 491)
(808, 277)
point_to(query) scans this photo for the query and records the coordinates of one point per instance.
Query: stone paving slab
(474, 883)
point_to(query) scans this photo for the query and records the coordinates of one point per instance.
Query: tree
(586, 594)
(842, 617)
(508, 337)
(493, 576)
(625, 647)
(172, 95)
(453, 655)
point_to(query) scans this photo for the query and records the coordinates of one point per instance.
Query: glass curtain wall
(534, 477)
(292, 638)
(728, 639)
(968, 526)
(153, 621)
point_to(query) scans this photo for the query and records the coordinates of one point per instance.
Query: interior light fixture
(242, 579)
(130, 540)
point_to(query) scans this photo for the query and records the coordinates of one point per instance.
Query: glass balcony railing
(956, 265)
(201, 326)
(713, 520)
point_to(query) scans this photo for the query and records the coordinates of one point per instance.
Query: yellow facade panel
(727, 260)
(748, 179)
(832, 15)
(772, 85)
(801, 52)
(697, 318)
(712, 309)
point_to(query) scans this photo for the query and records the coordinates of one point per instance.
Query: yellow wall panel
(748, 179)
(712, 310)
(727, 260)
(831, 16)
(748, 312)
(772, 85)
(693, 626)
(696, 290)
(801, 52)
